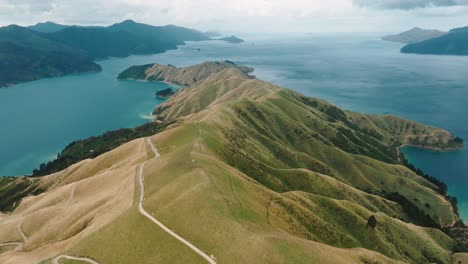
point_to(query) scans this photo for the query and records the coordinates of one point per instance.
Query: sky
(234, 16)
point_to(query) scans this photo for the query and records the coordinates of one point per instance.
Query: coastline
(436, 149)
(428, 148)
(402, 158)
(8, 85)
(96, 60)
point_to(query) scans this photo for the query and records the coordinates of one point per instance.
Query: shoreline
(9, 85)
(435, 149)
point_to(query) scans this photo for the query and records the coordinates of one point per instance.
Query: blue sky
(271, 16)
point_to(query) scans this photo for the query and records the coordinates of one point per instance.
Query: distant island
(232, 39)
(165, 93)
(453, 43)
(414, 35)
(50, 50)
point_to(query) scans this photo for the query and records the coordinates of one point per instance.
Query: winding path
(23, 236)
(56, 259)
(72, 193)
(17, 244)
(21, 233)
(154, 220)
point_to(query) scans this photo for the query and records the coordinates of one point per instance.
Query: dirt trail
(72, 193)
(56, 259)
(154, 220)
(17, 244)
(21, 233)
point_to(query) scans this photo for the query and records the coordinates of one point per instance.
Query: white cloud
(408, 4)
(237, 16)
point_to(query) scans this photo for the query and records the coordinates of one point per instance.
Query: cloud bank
(269, 16)
(408, 4)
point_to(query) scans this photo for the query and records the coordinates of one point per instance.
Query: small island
(232, 39)
(166, 93)
(414, 35)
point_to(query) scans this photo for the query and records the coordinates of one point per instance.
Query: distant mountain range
(126, 38)
(414, 35)
(27, 55)
(50, 49)
(453, 43)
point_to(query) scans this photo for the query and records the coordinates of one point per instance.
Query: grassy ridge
(294, 145)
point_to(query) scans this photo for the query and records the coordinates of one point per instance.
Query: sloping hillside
(52, 50)
(248, 172)
(27, 55)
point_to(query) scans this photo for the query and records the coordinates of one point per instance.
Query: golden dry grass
(460, 258)
(56, 220)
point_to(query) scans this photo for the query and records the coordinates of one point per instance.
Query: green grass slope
(211, 204)
(329, 172)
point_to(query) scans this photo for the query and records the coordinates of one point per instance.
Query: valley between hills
(244, 171)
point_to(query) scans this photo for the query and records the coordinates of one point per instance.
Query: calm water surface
(39, 118)
(356, 72)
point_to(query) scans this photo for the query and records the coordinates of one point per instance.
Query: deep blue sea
(358, 72)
